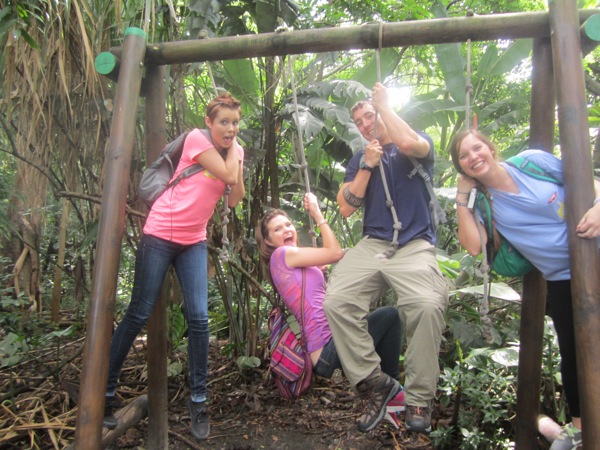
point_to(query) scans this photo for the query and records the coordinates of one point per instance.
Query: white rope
(303, 165)
(468, 88)
(224, 252)
(387, 254)
(484, 308)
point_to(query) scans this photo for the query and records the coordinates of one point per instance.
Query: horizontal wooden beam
(357, 37)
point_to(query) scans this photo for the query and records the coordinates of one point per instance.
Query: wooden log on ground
(127, 417)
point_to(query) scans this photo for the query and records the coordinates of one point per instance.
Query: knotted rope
(224, 252)
(484, 307)
(303, 166)
(391, 251)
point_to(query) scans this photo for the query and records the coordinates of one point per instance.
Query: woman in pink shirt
(175, 234)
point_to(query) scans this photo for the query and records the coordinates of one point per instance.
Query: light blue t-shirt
(533, 220)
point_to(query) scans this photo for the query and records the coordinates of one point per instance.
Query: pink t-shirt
(181, 213)
(288, 281)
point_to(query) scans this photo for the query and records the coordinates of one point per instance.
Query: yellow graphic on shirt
(208, 174)
(561, 210)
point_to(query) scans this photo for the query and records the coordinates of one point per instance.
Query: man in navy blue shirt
(397, 252)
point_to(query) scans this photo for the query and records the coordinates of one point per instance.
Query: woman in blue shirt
(530, 214)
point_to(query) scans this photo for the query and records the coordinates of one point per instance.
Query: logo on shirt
(560, 211)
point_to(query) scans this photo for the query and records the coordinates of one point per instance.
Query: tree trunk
(60, 262)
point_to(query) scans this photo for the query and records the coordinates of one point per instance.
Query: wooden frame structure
(557, 62)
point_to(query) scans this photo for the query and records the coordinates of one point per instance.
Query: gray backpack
(157, 178)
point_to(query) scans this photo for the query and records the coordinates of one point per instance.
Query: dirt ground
(245, 410)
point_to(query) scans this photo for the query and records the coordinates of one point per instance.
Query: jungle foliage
(55, 117)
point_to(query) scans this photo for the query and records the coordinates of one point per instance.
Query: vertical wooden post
(533, 307)
(543, 98)
(158, 423)
(579, 194)
(110, 233)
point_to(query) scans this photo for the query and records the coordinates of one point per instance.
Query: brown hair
(225, 100)
(360, 104)
(262, 233)
(454, 151)
(459, 137)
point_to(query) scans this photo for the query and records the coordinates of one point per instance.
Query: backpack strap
(484, 206)
(532, 169)
(192, 168)
(282, 306)
(302, 334)
(439, 216)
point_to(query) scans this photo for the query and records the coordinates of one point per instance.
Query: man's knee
(428, 313)
(333, 305)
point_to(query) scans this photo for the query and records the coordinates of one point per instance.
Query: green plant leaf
(500, 291)
(511, 57)
(507, 357)
(388, 60)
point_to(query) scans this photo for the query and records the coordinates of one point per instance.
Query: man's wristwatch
(365, 166)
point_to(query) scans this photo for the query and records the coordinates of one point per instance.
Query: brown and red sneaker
(375, 394)
(418, 418)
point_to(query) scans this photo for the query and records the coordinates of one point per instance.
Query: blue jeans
(153, 258)
(386, 329)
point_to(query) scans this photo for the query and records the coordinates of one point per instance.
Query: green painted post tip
(592, 27)
(105, 63)
(135, 31)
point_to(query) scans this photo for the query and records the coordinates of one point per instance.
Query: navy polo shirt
(409, 194)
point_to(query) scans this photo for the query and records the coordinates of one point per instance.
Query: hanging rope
(388, 253)
(484, 308)
(468, 88)
(303, 166)
(224, 252)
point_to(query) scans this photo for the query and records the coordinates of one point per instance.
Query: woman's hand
(589, 225)
(311, 204)
(465, 183)
(463, 189)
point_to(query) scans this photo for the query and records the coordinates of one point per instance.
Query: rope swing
(303, 166)
(224, 252)
(391, 251)
(484, 308)
(437, 213)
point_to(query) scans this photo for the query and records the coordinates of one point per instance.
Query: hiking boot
(375, 395)
(199, 415)
(418, 418)
(397, 403)
(568, 439)
(110, 404)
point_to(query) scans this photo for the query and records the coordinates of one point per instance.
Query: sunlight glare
(399, 96)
